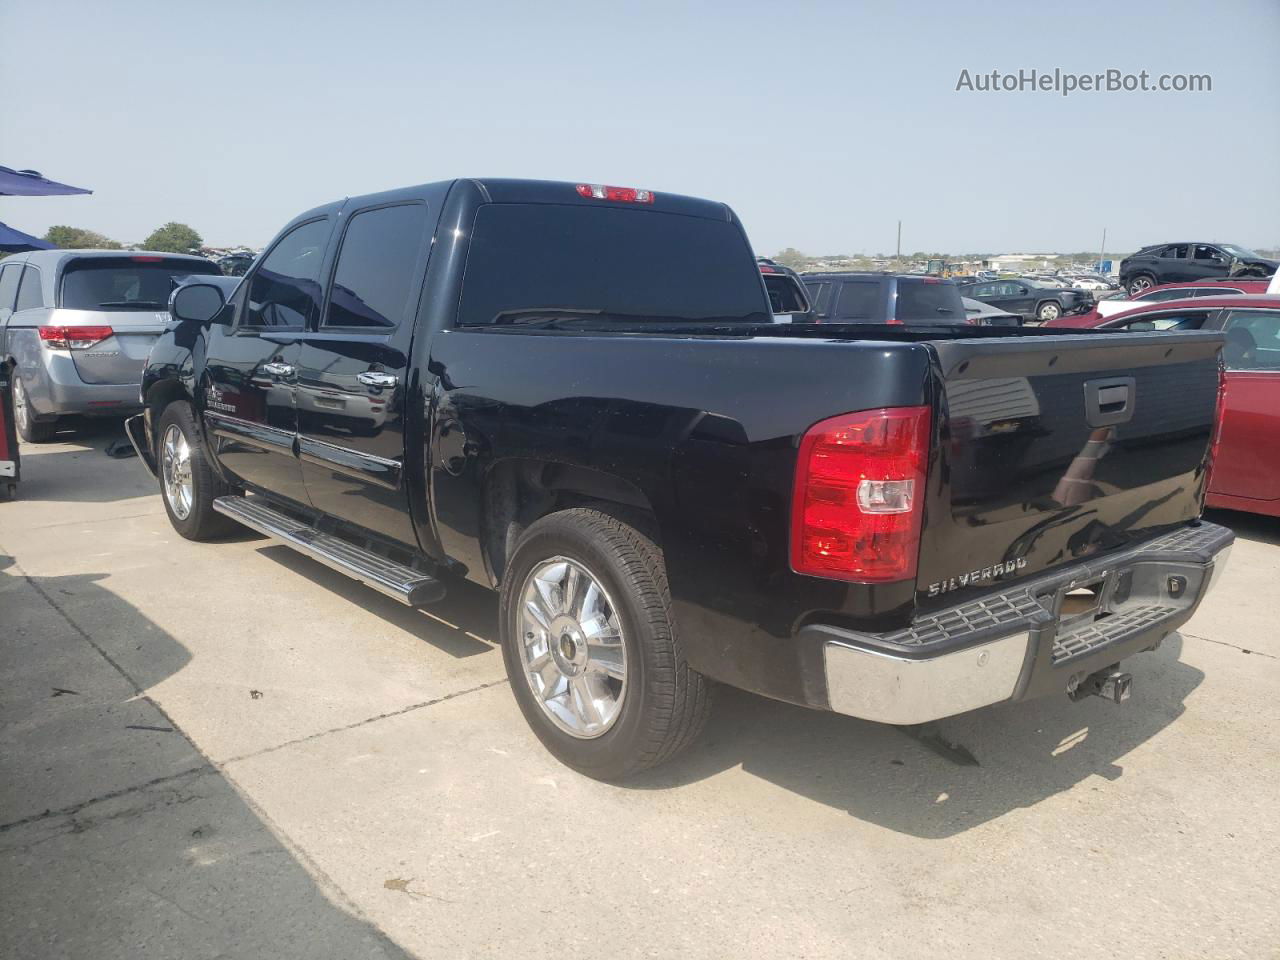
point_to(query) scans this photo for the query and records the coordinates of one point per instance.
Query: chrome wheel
(175, 467)
(1139, 284)
(20, 410)
(572, 648)
(1050, 311)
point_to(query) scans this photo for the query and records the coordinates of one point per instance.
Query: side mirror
(1022, 290)
(199, 302)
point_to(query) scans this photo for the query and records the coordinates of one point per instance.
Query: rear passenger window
(285, 290)
(9, 275)
(819, 297)
(1169, 321)
(374, 280)
(29, 295)
(1253, 340)
(859, 300)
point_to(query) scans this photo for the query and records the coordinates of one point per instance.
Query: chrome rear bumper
(1020, 644)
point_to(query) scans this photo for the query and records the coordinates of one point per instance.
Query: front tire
(1048, 311)
(188, 485)
(29, 428)
(591, 651)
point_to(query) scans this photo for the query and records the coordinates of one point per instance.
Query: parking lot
(228, 750)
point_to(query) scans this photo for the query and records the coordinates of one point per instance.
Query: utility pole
(898, 255)
(1102, 254)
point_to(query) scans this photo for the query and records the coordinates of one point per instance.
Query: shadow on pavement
(469, 610)
(908, 780)
(1248, 526)
(70, 468)
(118, 839)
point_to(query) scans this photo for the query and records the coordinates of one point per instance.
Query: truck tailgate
(1055, 448)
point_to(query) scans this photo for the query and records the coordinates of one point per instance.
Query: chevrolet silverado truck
(576, 395)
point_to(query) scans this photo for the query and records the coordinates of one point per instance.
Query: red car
(1166, 291)
(1246, 466)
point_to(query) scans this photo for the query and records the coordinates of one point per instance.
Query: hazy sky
(822, 124)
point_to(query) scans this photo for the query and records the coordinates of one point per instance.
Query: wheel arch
(158, 396)
(517, 492)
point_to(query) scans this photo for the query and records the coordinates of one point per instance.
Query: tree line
(172, 237)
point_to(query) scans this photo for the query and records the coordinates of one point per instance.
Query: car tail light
(858, 497)
(73, 338)
(147, 259)
(598, 191)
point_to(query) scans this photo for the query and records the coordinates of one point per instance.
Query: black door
(247, 399)
(1173, 264)
(1012, 296)
(1207, 262)
(353, 372)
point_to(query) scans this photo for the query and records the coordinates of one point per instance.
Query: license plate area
(1089, 600)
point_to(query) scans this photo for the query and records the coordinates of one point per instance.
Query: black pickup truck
(576, 395)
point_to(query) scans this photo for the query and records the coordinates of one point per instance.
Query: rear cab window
(785, 294)
(569, 265)
(126, 283)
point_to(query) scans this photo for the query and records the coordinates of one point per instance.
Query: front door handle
(376, 378)
(276, 369)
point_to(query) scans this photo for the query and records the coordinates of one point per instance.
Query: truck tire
(1049, 310)
(29, 428)
(591, 651)
(188, 485)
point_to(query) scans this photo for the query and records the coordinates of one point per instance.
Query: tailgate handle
(1109, 401)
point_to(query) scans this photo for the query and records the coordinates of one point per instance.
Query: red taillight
(765, 268)
(598, 191)
(147, 259)
(858, 498)
(73, 338)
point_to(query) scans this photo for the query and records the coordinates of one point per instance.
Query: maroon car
(1110, 309)
(1246, 463)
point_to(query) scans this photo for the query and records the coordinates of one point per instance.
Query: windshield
(127, 283)
(1242, 252)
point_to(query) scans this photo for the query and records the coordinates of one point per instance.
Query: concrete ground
(226, 750)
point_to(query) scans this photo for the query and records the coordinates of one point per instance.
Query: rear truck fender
(518, 492)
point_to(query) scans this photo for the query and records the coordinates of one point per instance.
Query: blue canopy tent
(15, 241)
(29, 183)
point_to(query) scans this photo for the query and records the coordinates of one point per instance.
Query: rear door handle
(276, 369)
(376, 378)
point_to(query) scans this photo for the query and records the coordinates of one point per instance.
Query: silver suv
(76, 326)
